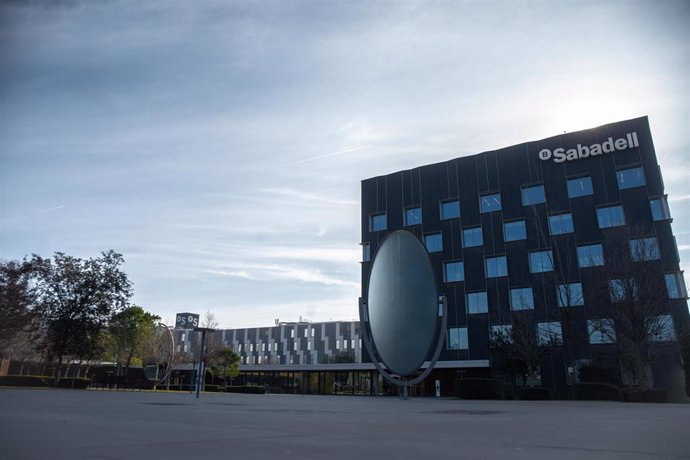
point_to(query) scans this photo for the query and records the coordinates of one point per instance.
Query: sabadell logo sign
(560, 154)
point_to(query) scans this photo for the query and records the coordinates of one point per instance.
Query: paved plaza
(72, 424)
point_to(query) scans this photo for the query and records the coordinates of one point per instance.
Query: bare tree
(633, 300)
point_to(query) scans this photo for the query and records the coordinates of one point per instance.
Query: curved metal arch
(364, 320)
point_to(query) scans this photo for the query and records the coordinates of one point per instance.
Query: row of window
(561, 223)
(531, 195)
(571, 295)
(267, 347)
(550, 333)
(589, 255)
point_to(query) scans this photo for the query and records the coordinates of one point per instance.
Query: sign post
(202, 369)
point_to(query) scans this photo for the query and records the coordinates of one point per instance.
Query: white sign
(582, 151)
(438, 388)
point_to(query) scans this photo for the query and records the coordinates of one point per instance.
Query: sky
(220, 145)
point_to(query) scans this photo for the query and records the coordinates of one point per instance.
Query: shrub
(595, 391)
(535, 394)
(246, 389)
(73, 382)
(592, 373)
(43, 381)
(654, 395)
(480, 389)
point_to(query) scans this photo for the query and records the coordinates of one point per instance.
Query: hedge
(535, 394)
(482, 389)
(596, 391)
(44, 381)
(655, 395)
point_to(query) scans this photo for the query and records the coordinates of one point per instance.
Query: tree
(74, 300)
(127, 331)
(16, 301)
(223, 363)
(633, 309)
(519, 347)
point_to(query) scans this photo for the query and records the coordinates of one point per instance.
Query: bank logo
(582, 151)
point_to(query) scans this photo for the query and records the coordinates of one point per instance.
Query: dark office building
(533, 230)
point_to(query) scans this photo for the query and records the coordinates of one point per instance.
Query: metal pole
(199, 377)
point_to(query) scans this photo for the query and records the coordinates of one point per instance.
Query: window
(570, 295)
(259, 360)
(591, 255)
(659, 208)
(306, 332)
(521, 299)
(514, 231)
(366, 252)
(378, 222)
(263, 346)
(549, 334)
(344, 344)
(662, 328)
(308, 346)
(292, 333)
(502, 332)
(675, 285)
(337, 344)
(457, 338)
(472, 237)
(496, 266)
(413, 216)
(622, 290)
(477, 302)
(645, 249)
(540, 261)
(490, 203)
(580, 186)
(251, 347)
(601, 331)
(450, 210)
(629, 178)
(294, 346)
(610, 216)
(453, 271)
(434, 242)
(533, 195)
(560, 224)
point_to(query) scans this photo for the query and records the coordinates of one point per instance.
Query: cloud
(273, 272)
(679, 198)
(56, 208)
(328, 155)
(308, 197)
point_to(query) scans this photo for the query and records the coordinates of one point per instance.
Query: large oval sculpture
(402, 303)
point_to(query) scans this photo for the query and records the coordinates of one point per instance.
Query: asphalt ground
(75, 424)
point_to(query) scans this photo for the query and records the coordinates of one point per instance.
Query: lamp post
(199, 374)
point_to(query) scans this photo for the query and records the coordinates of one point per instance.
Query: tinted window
(629, 178)
(540, 261)
(378, 222)
(457, 338)
(490, 203)
(533, 195)
(560, 224)
(601, 331)
(514, 231)
(521, 299)
(366, 252)
(645, 249)
(472, 237)
(611, 216)
(590, 256)
(413, 216)
(477, 302)
(433, 242)
(496, 266)
(570, 295)
(549, 333)
(675, 285)
(581, 186)
(453, 271)
(659, 209)
(450, 209)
